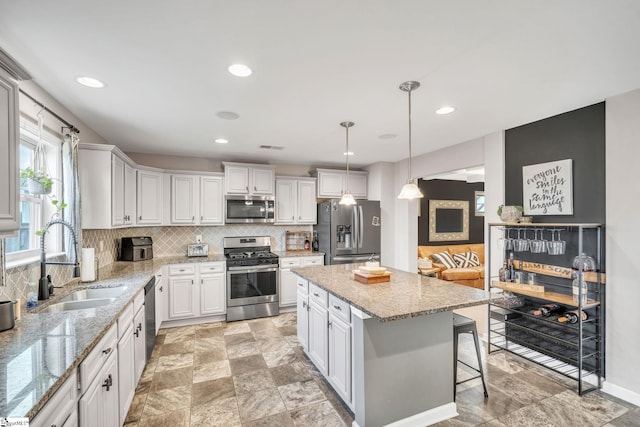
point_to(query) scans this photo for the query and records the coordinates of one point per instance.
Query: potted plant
(39, 182)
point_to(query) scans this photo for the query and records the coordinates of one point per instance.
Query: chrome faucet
(43, 285)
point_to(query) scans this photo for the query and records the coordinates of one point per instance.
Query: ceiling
(315, 64)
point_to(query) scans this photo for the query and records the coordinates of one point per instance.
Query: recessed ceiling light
(445, 110)
(348, 153)
(90, 82)
(221, 141)
(227, 115)
(240, 70)
(387, 136)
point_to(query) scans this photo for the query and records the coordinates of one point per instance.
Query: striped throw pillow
(445, 259)
(467, 259)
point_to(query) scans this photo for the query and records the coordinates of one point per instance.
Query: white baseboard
(621, 393)
(426, 418)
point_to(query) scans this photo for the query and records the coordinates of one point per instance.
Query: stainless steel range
(252, 278)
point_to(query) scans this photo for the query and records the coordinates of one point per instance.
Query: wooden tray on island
(368, 278)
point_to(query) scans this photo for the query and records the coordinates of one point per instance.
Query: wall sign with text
(547, 188)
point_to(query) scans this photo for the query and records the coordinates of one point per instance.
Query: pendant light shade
(410, 190)
(347, 197)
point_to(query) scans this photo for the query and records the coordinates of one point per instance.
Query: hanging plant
(38, 182)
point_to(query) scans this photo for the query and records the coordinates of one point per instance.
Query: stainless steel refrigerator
(348, 234)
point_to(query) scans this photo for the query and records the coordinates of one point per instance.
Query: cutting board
(363, 277)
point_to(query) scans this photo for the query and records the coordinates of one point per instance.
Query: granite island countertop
(406, 295)
(33, 372)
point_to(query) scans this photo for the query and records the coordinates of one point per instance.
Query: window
(479, 205)
(33, 209)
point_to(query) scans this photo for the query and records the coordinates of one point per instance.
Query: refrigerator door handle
(361, 225)
(356, 230)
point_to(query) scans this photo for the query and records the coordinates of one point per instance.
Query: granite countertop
(43, 349)
(406, 295)
(293, 254)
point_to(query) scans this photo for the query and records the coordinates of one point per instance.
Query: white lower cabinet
(99, 404)
(61, 409)
(196, 290)
(126, 368)
(160, 299)
(319, 328)
(288, 283)
(139, 343)
(303, 312)
(325, 334)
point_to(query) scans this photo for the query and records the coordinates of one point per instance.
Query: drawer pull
(136, 333)
(301, 285)
(107, 350)
(337, 307)
(108, 382)
(315, 294)
(139, 326)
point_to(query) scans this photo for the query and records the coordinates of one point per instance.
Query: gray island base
(401, 350)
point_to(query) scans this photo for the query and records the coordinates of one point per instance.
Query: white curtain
(71, 191)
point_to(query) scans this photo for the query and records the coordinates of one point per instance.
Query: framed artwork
(547, 188)
(448, 220)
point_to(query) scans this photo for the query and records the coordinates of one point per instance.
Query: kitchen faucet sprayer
(43, 285)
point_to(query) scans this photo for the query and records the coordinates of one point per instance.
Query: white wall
(493, 193)
(381, 186)
(622, 237)
(30, 109)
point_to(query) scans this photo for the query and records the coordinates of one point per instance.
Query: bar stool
(462, 324)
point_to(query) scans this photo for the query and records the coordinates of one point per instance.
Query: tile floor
(254, 373)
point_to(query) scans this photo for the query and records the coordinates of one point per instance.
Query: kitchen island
(401, 342)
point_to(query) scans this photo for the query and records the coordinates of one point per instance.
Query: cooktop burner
(248, 251)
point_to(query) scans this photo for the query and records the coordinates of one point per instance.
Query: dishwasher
(150, 315)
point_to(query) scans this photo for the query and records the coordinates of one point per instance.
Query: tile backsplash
(171, 241)
(167, 241)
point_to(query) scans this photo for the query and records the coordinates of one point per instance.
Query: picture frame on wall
(547, 188)
(448, 220)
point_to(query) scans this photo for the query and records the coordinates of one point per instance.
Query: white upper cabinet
(184, 199)
(242, 178)
(9, 196)
(296, 201)
(211, 200)
(197, 200)
(332, 183)
(149, 198)
(107, 187)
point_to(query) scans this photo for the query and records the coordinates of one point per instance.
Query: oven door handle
(256, 269)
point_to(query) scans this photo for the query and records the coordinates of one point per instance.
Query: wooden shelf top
(550, 296)
(545, 224)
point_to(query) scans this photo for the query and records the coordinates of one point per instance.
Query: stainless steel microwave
(245, 209)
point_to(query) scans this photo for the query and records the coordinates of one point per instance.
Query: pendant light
(410, 190)
(347, 197)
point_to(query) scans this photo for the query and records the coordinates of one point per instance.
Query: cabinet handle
(293, 217)
(108, 382)
(140, 217)
(136, 333)
(139, 327)
(247, 188)
(192, 281)
(107, 350)
(202, 281)
(254, 188)
(304, 303)
(160, 289)
(328, 323)
(337, 307)
(193, 218)
(301, 285)
(201, 217)
(182, 269)
(316, 295)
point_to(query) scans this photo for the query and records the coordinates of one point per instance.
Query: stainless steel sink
(85, 294)
(77, 305)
